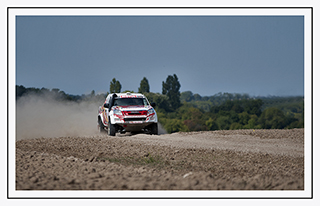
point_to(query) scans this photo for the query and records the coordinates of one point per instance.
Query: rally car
(127, 112)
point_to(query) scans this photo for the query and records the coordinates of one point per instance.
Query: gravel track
(217, 160)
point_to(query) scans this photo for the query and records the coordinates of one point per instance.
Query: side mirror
(153, 104)
(106, 105)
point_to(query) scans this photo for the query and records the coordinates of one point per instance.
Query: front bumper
(137, 123)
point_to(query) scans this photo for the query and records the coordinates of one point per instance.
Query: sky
(255, 55)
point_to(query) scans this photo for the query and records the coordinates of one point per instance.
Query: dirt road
(218, 160)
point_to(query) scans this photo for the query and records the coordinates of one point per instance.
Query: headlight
(151, 111)
(117, 112)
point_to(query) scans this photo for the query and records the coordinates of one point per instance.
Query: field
(215, 160)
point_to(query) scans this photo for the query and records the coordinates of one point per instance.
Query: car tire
(101, 126)
(154, 128)
(111, 129)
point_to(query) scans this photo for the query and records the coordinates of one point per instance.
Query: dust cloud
(41, 116)
(44, 116)
(161, 129)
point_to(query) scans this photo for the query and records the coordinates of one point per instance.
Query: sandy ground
(217, 160)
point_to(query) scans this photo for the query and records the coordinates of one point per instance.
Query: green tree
(144, 86)
(92, 94)
(115, 86)
(211, 124)
(171, 88)
(235, 126)
(20, 90)
(237, 107)
(253, 106)
(244, 117)
(186, 96)
(126, 91)
(223, 122)
(55, 90)
(160, 100)
(194, 126)
(197, 97)
(252, 122)
(174, 125)
(272, 118)
(203, 105)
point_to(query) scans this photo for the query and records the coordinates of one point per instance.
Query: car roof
(128, 95)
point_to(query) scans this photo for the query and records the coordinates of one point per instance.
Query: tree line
(185, 112)
(230, 115)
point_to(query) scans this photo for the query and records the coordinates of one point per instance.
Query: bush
(211, 124)
(235, 126)
(272, 118)
(174, 125)
(223, 122)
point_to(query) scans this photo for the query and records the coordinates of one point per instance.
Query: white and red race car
(127, 112)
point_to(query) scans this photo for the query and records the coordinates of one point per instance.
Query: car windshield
(130, 101)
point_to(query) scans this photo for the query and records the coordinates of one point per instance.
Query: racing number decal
(105, 117)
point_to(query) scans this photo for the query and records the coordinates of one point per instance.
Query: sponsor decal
(130, 106)
(120, 118)
(135, 122)
(105, 117)
(150, 115)
(129, 96)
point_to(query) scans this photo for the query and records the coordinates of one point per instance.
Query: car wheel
(111, 129)
(154, 129)
(101, 126)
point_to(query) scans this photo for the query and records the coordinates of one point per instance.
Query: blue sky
(257, 55)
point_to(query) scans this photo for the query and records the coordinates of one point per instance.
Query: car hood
(132, 108)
